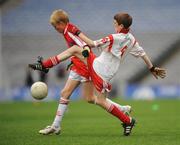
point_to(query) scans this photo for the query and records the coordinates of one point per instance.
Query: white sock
(122, 108)
(60, 112)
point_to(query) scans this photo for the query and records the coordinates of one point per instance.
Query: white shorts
(74, 76)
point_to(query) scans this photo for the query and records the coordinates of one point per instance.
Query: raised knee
(73, 49)
(90, 100)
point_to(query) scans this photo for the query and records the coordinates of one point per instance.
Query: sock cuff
(54, 60)
(64, 101)
(50, 62)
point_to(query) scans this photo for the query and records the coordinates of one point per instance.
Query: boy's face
(117, 27)
(60, 26)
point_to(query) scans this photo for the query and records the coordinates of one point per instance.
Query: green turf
(85, 124)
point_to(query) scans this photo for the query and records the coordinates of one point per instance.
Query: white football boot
(50, 130)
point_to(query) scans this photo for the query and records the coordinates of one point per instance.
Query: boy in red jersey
(78, 71)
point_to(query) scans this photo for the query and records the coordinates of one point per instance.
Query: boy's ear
(121, 25)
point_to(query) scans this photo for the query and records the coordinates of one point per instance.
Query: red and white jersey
(71, 33)
(115, 48)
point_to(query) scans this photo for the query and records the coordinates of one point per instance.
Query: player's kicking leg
(52, 61)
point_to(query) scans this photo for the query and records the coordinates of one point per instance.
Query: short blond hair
(59, 16)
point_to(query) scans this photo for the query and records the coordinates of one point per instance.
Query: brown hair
(59, 16)
(123, 18)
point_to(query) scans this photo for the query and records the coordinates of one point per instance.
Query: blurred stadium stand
(26, 33)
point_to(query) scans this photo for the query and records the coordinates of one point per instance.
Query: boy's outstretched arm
(156, 71)
(87, 40)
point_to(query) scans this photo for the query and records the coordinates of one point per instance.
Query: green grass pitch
(85, 124)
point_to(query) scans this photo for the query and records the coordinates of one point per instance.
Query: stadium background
(26, 34)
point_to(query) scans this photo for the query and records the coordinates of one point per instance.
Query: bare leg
(88, 92)
(100, 100)
(72, 51)
(63, 103)
(69, 87)
(66, 92)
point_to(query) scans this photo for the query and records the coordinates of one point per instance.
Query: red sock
(119, 114)
(52, 61)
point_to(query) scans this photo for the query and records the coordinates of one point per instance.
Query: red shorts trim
(98, 82)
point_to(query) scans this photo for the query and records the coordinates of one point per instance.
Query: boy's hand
(86, 51)
(39, 66)
(158, 72)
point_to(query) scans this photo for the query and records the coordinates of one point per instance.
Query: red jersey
(71, 33)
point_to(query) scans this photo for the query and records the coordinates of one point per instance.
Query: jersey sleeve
(137, 50)
(77, 40)
(104, 43)
(74, 30)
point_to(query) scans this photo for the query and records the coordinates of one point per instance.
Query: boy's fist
(86, 51)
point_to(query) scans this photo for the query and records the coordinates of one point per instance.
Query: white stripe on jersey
(77, 40)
